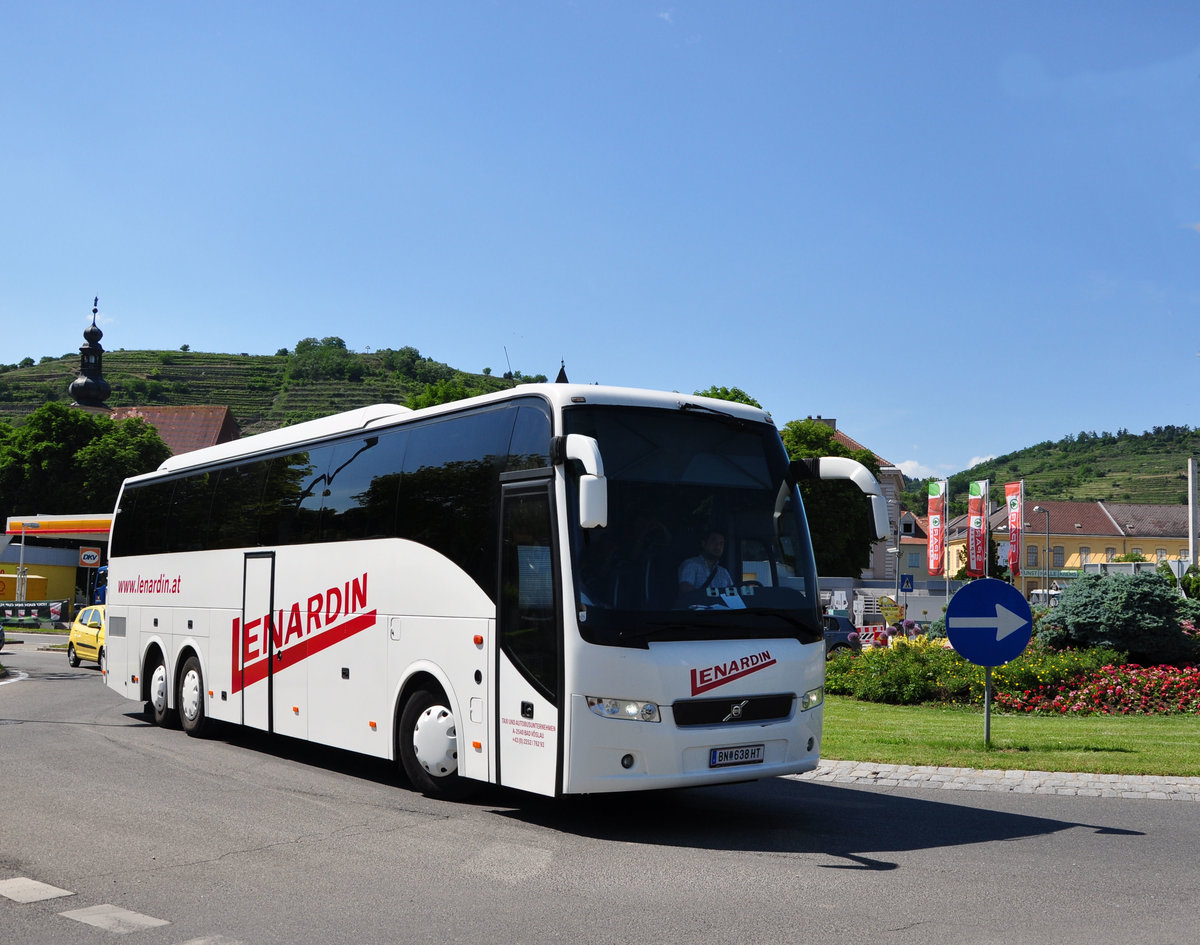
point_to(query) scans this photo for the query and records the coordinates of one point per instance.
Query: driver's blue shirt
(693, 571)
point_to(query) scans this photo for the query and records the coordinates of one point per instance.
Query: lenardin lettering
(713, 676)
(298, 631)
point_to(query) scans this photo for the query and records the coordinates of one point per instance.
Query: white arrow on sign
(1004, 623)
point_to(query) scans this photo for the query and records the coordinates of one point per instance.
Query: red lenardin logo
(296, 633)
(713, 676)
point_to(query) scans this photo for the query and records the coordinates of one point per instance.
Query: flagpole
(987, 527)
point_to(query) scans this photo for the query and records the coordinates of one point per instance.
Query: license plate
(737, 755)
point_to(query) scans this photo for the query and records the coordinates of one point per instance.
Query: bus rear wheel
(157, 707)
(427, 742)
(191, 698)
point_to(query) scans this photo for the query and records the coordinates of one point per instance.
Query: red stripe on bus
(298, 652)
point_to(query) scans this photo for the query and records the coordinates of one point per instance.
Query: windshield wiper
(719, 414)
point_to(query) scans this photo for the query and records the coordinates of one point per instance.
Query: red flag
(1014, 493)
(977, 532)
(937, 526)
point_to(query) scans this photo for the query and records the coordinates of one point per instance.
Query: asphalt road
(246, 838)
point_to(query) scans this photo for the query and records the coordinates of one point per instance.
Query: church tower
(90, 389)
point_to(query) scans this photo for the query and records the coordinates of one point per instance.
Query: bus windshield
(706, 537)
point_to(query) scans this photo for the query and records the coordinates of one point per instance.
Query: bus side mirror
(593, 487)
(841, 467)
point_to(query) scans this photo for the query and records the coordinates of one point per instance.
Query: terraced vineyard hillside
(264, 392)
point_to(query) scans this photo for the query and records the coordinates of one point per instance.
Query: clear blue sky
(960, 228)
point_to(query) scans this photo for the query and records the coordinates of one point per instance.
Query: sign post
(989, 623)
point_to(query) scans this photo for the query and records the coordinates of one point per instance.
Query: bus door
(529, 680)
(255, 646)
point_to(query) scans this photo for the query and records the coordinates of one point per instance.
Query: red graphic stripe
(298, 652)
(698, 688)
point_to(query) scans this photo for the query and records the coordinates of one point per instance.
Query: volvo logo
(735, 711)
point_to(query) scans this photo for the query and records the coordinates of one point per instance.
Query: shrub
(922, 670)
(1138, 614)
(907, 673)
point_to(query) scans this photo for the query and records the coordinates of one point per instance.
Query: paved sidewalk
(1147, 787)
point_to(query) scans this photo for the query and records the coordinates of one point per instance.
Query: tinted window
(435, 483)
(292, 498)
(141, 519)
(362, 485)
(528, 617)
(530, 445)
(188, 522)
(237, 506)
(449, 491)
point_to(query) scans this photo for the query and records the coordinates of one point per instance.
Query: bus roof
(384, 415)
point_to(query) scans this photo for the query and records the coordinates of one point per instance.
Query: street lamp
(1046, 567)
(895, 551)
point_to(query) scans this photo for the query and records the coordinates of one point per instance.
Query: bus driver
(705, 569)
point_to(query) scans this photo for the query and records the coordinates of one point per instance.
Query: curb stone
(1147, 787)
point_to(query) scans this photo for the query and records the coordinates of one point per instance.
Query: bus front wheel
(428, 745)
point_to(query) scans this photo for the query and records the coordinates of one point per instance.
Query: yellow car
(87, 636)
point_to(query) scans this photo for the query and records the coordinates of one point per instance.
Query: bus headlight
(609, 708)
(812, 699)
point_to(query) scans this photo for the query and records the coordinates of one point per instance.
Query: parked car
(87, 636)
(840, 635)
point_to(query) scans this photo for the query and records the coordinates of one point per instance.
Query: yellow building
(1062, 537)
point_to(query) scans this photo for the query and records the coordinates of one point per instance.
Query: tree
(839, 515)
(326, 359)
(735, 394)
(63, 460)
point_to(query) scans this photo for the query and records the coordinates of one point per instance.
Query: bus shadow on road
(785, 816)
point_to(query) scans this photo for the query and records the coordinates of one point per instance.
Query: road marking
(22, 889)
(114, 919)
(213, 940)
(13, 677)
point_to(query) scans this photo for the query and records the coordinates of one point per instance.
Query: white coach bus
(488, 590)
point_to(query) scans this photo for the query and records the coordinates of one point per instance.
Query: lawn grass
(953, 737)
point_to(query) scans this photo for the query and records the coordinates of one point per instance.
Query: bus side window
(236, 506)
(529, 447)
(363, 481)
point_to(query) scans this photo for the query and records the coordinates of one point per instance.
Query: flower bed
(1040, 680)
(1126, 689)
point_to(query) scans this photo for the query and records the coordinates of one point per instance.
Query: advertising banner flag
(937, 526)
(977, 531)
(1014, 494)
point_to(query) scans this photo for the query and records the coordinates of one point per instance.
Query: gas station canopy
(82, 527)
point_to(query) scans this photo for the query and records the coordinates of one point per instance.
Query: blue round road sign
(989, 622)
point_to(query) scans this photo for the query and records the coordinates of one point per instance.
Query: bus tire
(102, 660)
(427, 742)
(72, 656)
(157, 707)
(191, 698)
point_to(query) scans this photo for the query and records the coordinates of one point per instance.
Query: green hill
(264, 392)
(318, 378)
(1148, 467)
